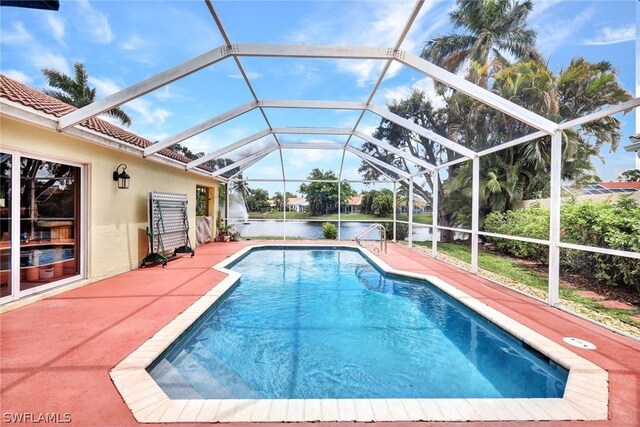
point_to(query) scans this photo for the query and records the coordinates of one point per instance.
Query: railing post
(434, 212)
(554, 219)
(410, 213)
(226, 204)
(339, 208)
(284, 211)
(395, 208)
(475, 214)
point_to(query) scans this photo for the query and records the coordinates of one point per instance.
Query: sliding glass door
(42, 229)
(6, 288)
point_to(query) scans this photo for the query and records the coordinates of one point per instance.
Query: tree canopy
(631, 175)
(519, 172)
(492, 29)
(323, 196)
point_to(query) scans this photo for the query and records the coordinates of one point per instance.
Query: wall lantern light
(122, 177)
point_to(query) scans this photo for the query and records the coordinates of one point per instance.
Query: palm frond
(119, 114)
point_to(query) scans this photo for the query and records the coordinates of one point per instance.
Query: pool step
(174, 384)
(222, 374)
(200, 378)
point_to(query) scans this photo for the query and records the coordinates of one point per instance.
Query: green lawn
(424, 218)
(511, 269)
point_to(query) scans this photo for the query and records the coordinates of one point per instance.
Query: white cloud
(252, 75)
(40, 59)
(267, 171)
(308, 72)
(608, 35)
(94, 22)
(34, 53)
(56, 24)
(305, 160)
(381, 26)
(146, 112)
(139, 50)
(540, 6)
(104, 87)
(351, 172)
(167, 94)
(553, 33)
(134, 42)
(369, 130)
(18, 75)
(201, 143)
(17, 34)
(252, 148)
(425, 85)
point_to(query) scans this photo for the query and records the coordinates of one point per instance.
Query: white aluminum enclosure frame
(543, 128)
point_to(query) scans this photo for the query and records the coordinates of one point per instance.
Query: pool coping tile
(586, 395)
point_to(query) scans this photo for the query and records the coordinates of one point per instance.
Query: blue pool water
(324, 323)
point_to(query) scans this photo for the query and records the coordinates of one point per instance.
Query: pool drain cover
(577, 342)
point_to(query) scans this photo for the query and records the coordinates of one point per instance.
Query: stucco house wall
(116, 219)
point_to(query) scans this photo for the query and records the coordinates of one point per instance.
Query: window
(202, 201)
(49, 222)
(40, 224)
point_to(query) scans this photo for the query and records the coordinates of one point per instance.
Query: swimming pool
(325, 323)
(585, 395)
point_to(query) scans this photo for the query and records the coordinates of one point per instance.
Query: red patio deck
(56, 353)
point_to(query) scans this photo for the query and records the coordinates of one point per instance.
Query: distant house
(609, 190)
(419, 207)
(635, 147)
(297, 204)
(354, 205)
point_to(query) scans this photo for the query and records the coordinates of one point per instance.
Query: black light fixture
(122, 177)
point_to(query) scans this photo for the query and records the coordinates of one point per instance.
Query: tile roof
(17, 92)
(613, 184)
(297, 201)
(356, 200)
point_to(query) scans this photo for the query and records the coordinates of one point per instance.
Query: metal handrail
(383, 235)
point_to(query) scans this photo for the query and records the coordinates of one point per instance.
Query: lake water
(313, 229)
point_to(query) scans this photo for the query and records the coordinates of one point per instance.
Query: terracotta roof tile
(356, 200)
(613, 184)
(17, 92)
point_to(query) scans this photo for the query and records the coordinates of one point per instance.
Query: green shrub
(606, 224)
(402, 231)
(329, 230)
(528, 222)
(613, 225)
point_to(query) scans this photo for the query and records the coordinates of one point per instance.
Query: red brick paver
(589, 294)
(56, 353)
(616, 304)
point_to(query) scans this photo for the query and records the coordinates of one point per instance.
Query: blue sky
(123, 42)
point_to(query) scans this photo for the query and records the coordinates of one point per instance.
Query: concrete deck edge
(586, 395)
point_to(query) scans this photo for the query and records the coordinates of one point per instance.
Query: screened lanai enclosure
(293, 135)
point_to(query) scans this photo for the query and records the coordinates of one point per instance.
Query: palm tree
(242, 189)
(522, 172)
(76, 91)
(493, 28)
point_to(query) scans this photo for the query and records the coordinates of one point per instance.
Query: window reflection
(5, 224)
(49, 222)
